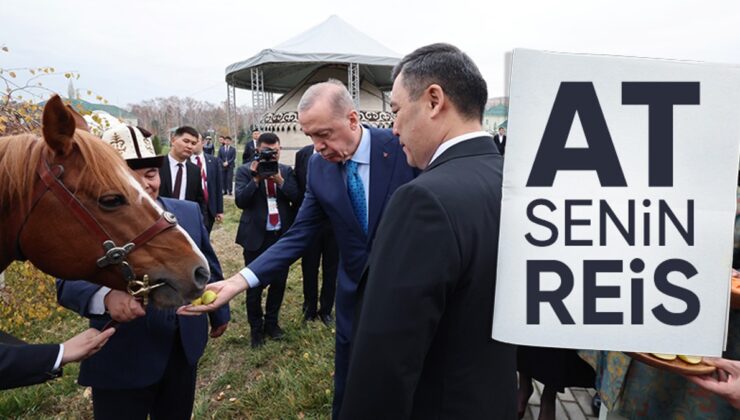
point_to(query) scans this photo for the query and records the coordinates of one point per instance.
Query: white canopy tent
(283, 68)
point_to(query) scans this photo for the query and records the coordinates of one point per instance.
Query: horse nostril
(201, 276)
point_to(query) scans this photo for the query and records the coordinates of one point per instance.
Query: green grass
(289, 379)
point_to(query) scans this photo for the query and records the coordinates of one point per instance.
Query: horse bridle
(113, 254)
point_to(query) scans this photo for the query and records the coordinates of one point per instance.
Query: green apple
(209, 297)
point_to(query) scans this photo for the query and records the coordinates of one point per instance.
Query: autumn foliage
(27, 294)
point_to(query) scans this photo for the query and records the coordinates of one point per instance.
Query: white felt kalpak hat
(135, 145)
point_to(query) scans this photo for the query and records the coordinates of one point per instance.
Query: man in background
(180, 178)
(227, 157)
(208, 146)
(500, 140)
(268, 203)
(210, 174)
(249, 147)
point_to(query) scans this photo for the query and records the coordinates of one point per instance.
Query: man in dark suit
(249, 147)
(208, 146)
(210, 174)
(324, 245)
(423, 346)
(23, 364)
(348, 154)
(227, 157)
(268, 203)
(180, 178)
(149, 366)
(500, 140)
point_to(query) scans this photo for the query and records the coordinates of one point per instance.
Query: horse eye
(111, 201)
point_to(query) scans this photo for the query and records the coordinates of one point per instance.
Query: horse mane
(20, 155)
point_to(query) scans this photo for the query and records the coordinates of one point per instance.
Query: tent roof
(332, 41)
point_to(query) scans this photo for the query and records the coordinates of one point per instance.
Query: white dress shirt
(455, 140)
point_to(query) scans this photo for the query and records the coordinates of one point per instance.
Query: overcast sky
(137, 50)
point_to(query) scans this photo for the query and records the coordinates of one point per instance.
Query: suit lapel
(382, 165)
(165, 186)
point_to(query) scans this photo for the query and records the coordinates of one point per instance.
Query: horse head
(84, 215)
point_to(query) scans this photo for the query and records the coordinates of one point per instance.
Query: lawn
(288, 379)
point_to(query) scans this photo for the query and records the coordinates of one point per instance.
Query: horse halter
(113, 254)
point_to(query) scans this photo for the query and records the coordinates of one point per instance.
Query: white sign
(618, 204)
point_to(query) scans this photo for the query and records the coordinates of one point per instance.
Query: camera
(268, 164)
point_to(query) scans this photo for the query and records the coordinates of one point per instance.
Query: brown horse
(70, 205)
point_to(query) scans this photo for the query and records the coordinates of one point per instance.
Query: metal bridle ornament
(140, 289)
(114, 255)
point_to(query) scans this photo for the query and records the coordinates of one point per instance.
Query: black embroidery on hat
(118, 143)
(135, 140)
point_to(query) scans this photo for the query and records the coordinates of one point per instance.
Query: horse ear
(58, 126)
(79, 120)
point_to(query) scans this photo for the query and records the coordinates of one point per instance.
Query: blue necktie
(357, 194)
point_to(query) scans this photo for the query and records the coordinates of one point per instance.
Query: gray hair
(334, 91)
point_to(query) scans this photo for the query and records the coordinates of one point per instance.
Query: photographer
(267, 192)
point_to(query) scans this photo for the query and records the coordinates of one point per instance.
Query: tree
(23, 91)
(160, 115)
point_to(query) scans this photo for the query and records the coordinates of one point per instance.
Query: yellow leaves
(32, 71)
(11, 74)
(29, 295)
(68, 75)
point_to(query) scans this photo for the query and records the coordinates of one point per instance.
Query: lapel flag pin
(385, 154)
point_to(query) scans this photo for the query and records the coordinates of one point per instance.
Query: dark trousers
(208, 220)
(275, 291)
(170, 398)
(341, 369)
(228, 177)
(325, 245)
(346, 304)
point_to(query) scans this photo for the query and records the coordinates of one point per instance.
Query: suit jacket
(193, 189)
(423, 339)
(228, 157)
(24, 364)
(136, 355)
(500, 143)
(208, 149)
(327, 199)
(252, 199)
(248, 152)
(301, 168)
(214, 176)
